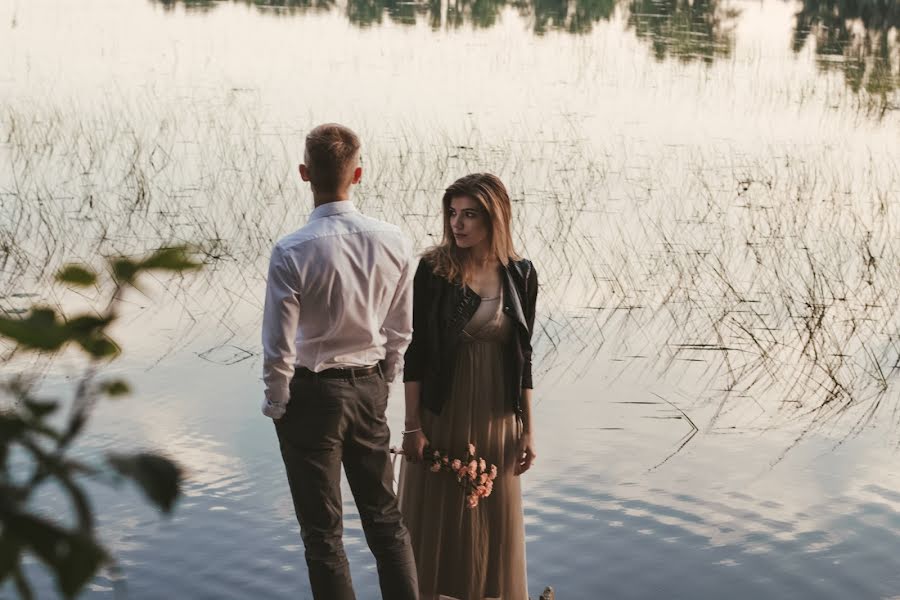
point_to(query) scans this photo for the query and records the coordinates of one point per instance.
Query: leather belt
(339, 372)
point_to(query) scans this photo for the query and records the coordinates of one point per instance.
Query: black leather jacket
(441, 310)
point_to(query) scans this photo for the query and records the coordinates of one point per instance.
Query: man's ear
(357, 175)
(304, 172)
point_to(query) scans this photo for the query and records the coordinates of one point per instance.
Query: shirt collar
(332, 208)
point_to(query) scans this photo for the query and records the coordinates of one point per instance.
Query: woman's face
(468, 222)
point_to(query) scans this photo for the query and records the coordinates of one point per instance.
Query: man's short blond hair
(331, 153)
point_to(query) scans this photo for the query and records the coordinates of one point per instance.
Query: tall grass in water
(771, 278)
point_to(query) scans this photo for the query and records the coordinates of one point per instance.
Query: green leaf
(73, 556)
(9, 556)
(12, 430)
(77, 275)
(11, 426)
(87, 325)
(88, 332)
(124, 270)
(40, 408)
(100, 346)
(115, 388)
(174, 259)
(40, 330)
(159, 477)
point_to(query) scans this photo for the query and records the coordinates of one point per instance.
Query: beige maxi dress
(470, 553)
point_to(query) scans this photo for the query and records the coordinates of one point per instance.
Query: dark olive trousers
(330, 422)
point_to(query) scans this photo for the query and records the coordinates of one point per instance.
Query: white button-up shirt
(339, 294)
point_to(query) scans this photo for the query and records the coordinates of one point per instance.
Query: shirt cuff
(273, 411)
(390, 368)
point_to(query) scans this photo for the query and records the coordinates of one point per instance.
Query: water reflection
(365, 13)
(714, 244)
(274, 6)
(573, 16)
(859, 38)
(576, 16)
(685, 29)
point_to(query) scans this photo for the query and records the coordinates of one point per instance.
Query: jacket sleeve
(531, 289)
(417, 352)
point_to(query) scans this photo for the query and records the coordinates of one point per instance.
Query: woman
(468, 380)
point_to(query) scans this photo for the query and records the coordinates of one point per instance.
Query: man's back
(339, 291)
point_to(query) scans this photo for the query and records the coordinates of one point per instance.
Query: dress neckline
(497, 296)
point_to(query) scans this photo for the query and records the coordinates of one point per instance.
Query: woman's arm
(414, 368)
(414, 440)
(525, 449)
(525, 453)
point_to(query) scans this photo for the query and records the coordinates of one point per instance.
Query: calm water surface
(708, 190)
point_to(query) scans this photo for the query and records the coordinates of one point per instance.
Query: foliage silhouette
(35, 449)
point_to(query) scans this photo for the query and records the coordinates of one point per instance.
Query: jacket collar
(331, 209)
(511, 299)
(465, 302)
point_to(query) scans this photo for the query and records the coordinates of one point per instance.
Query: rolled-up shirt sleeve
(281, 316)
(398, 325)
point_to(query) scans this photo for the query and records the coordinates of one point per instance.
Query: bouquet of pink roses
(473, 473)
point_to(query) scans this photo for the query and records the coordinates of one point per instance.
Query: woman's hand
(525, 453)
(413, 445)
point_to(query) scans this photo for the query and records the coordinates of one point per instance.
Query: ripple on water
(650, 543)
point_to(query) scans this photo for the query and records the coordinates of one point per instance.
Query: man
(337, 319)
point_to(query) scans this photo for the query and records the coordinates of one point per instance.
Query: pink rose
(471, 449)
(488, 488)
(493, 472)
(473, 469)
(483, 478)
(463, 471)
(482, 466)
(456, 464)
(473, 500)
(436, 454)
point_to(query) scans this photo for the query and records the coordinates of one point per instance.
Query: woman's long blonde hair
(452, 262)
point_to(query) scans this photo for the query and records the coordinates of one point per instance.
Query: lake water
(708, 191)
